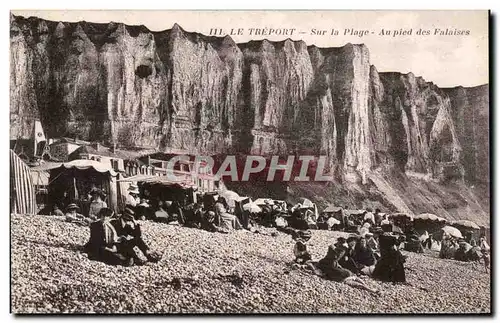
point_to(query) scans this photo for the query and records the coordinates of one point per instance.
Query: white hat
(133, 189)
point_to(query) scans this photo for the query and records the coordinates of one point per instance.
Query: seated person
(160, 215)
(300, 248)
(364, 256)
(469, 238)
(57, 211)
(74, 217)
(226, 220)
(448, 248)
(130, 237)
(347, 261)
(103, 240)
(175, 212)
(193, 214)
(208, 223)
(143, 210)
(462, 252)
(390, 266)
(332, 270)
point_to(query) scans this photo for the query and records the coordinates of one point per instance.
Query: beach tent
(70, 182)
(22, 190)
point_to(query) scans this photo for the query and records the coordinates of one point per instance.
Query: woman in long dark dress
(390, 267)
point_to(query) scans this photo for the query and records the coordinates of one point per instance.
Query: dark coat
(364, 256)
(126, 230)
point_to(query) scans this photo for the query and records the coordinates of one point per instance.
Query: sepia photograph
(250, 162)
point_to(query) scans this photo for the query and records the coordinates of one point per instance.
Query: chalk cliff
(174, 89)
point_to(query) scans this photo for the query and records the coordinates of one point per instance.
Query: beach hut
(72, 181)
(22, 190)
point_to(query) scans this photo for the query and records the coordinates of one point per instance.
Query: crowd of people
(372, 249)
(465, 249)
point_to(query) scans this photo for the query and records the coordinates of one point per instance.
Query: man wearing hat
(102, 245)
(133, 196)
(73, 216)
(130, 236)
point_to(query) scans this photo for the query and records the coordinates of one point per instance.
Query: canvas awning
(81, 164)
(181, 181)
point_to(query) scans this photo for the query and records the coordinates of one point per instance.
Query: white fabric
(132, 201)
(369, 216)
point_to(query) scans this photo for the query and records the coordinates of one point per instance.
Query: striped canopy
(23, 200)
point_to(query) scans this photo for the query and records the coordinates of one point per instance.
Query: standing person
(130, 237)
(485, 251)
(97, 203)
(378, 217)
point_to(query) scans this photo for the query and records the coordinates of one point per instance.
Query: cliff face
(128, 85)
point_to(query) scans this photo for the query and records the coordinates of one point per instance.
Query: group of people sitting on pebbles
(465, 249)
(372, 250)
(373, 255)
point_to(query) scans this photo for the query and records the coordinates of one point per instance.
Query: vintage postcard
(238, 162)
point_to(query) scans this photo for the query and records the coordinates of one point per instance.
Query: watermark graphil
(297, 168)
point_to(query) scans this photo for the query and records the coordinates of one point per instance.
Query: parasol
(454, 232)
(401, 216)
(252, 207)
(231, 197)
(332, 209)
(429, 217)
(264, 201)
(466, 224)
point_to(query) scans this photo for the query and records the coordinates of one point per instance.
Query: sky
(447, 60)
